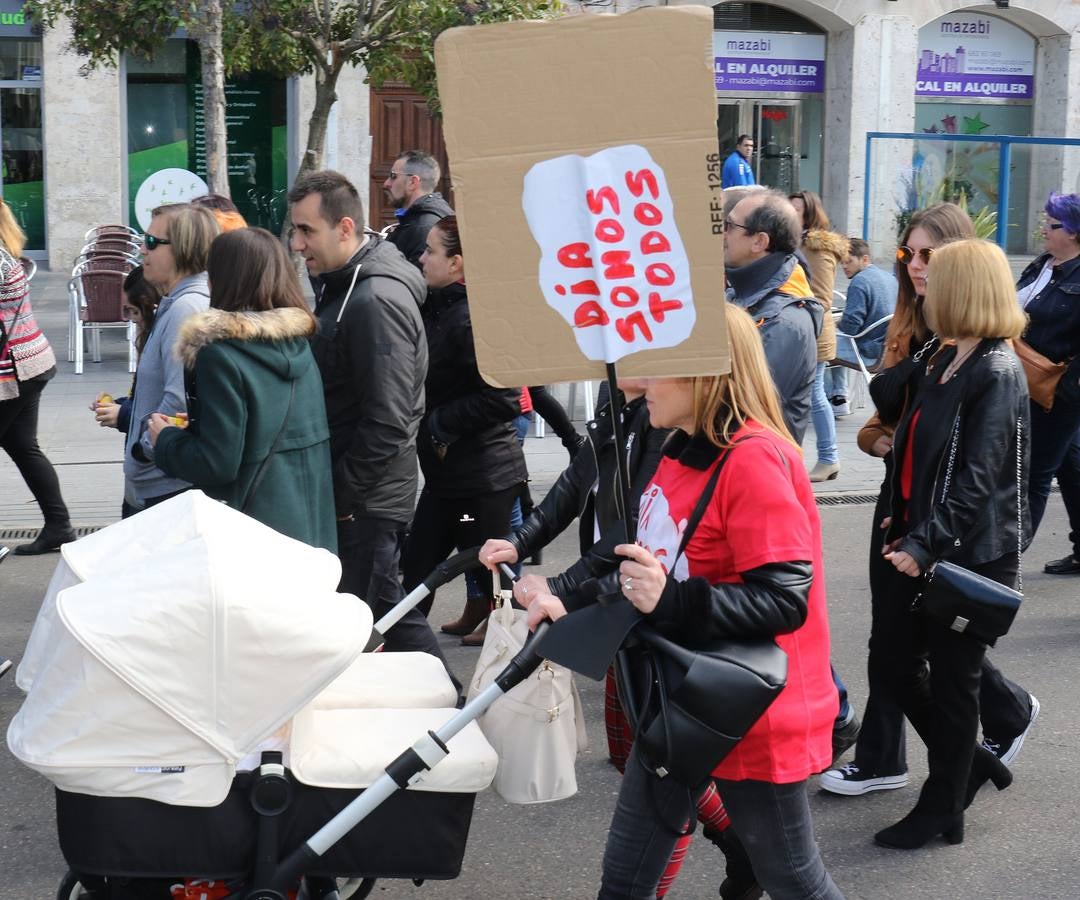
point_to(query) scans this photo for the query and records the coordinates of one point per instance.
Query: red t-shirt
(762, 511)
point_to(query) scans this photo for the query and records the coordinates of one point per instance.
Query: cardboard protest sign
(586, 178)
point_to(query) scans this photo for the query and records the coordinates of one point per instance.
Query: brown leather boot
(476, 639)
(476, 610)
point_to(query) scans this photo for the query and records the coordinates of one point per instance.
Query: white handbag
(538, 727)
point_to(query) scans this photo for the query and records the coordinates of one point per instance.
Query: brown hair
(338, 196)
(813, 218)
(723, 403)
(970, 293)
(250, 271)
(944, 222)
(145, 297)
(190, 231)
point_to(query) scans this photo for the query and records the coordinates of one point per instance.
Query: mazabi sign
(975, 56)
(770, 63)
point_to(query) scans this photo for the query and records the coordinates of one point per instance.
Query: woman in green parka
(257, 436)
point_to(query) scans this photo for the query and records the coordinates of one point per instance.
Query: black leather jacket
(974, 520)
(572, 494)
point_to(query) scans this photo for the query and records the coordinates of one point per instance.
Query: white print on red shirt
(612, 262)
(659, 534)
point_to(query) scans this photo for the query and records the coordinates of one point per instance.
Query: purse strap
(261, 474)
(953, 441)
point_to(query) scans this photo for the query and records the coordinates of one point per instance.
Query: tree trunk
(208, 35)
(325, 97)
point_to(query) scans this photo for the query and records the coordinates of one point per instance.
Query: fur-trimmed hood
(828, 241)
(274, 337)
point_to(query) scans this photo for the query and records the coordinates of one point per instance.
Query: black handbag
(965, 601)
(689, 706)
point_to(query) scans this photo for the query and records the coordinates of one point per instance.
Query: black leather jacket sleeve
(771, 600)
(891, 388)
(986, 450)
(560, 506)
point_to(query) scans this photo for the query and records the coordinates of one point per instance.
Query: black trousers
(1003, 708)
(370, 550)
(553, 412)
(18, 437)
(442, 523)
(936, 675)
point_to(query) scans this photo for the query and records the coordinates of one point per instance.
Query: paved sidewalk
(87, 457)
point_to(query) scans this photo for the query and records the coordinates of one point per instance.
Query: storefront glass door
(776, 139)
(22, 164)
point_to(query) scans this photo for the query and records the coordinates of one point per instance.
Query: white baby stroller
(197, 692)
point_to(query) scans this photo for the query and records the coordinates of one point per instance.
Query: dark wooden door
(400, 121)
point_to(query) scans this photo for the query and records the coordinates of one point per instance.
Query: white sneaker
(840, 409)
(850, 782)
(1007, 752)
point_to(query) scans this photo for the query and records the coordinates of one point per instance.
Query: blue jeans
(821, 414)
(774, 824)
(845, 708)
(649, 815)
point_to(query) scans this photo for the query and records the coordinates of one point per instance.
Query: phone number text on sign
(612, 261)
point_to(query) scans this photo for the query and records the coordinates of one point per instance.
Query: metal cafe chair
(860, 388)
(100, 262)
(97, 298)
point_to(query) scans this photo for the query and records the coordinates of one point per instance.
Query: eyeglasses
(153, 241)
(394, 175)
(731, 223)
(1054, 226)
(905, 255)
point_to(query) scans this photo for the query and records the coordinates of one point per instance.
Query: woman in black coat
(958, 492)
(472, 462)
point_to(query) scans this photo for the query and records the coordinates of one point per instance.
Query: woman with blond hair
(748, 570)
(959, 488)
(27, 364)
(177, 245)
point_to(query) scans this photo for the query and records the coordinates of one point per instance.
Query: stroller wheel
(71, 888)
(356, 888)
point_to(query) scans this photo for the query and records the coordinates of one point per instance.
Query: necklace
(952, 368)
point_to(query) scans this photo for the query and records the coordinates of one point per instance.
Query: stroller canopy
(171, 644)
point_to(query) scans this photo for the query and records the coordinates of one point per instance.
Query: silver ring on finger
(629, 584)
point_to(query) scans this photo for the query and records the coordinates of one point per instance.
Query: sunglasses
(905, 255)
(151, 241)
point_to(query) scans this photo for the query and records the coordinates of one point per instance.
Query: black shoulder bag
(689, 707)
(965, 601)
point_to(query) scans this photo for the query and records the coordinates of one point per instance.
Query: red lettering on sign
(647, 214)
(624, 296)
(610, 231)
(660, 275)
(638, 181)
(582, 287)
(575, 256)
(658, 308)
(595, 200)
(654, 242)
(625, 327)
(617, 264)
(590, 313)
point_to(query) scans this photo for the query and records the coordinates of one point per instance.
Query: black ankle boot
(49, 539)
(918, 828)
(986, 767)
(739, 883)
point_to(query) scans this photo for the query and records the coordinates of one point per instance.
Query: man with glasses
(737, 171)
(766, 279)
(410, 186)
(371, 350)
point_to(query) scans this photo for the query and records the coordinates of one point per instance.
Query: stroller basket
(412, 834)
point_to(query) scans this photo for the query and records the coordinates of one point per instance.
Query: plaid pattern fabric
(619, 735)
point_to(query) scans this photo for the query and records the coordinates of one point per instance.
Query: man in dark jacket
(764, 278)
(372, 354)
(410, 186)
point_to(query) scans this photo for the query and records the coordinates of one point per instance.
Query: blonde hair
(11, 235)
(190, 230)
(969, 292)
(724, 403)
